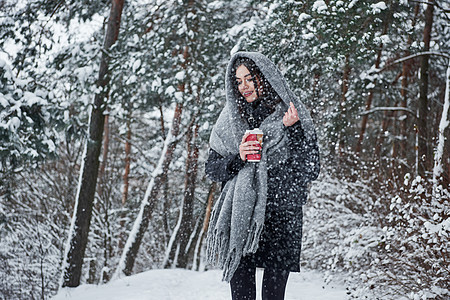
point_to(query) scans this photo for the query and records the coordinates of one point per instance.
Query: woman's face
(246, 84)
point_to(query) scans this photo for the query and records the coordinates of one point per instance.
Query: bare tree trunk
(423, 98)
(443, 125)
(107, 242)
(78, 234)
(177, 251)
(396, 130)
(126, 172)
(404, 92)
(165, 213)
(345, 78)
(368, 106)
(105, 146)
(131, 248)
(384, 125)
(406, 69)
(315, 90)
(163, 131)
(209, 204)
(187, 224)
(370, 96)
(104, 198)
(184, 230)
(208, 211)
(92, 271)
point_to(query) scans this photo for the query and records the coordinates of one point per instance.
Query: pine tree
(78, 234)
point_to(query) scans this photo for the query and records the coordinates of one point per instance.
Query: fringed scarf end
(216, 248)
(253, 237)
(230, 265)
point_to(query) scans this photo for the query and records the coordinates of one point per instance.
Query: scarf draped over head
(238, 215)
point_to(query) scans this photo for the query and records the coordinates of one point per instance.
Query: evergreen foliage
(25, 134)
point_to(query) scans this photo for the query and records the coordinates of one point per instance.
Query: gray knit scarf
(238, 216)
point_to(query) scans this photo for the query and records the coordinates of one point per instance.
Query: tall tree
(443, 125)
(422, 146)
(406, 73)
(364, 120)
(134, 240)
(78, 234)
(180, 248)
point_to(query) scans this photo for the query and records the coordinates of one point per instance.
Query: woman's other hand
(291, 116)
(249, 147)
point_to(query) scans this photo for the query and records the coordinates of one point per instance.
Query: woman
(257, 220)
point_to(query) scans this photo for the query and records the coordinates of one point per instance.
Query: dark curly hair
(268, 96)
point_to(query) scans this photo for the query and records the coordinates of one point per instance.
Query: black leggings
(243, 283)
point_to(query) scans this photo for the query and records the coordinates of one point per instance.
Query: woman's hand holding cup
(248, 147)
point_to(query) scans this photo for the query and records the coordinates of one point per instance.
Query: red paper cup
(255, 135)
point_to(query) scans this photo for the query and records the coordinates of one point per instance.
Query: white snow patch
(83, 73)
(370, 86)
(385, 39)
(131, 80)
(178, 96)
(156, 83)
(303, 17)
(236, 47)
(320, 6)
(378, 7)
(136, 65)
(3, 101)
(13, 124)
(170, 90)
(434, 228)
(180, 76)
(236, 29)
(51, 145)
(308, 36)
(31, 99)
(351, 4)
(180, 284)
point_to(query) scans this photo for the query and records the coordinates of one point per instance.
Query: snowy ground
(178, 284)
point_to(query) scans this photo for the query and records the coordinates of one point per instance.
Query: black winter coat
(280, 244)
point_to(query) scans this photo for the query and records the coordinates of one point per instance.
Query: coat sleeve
(304, 159)
(222, 169)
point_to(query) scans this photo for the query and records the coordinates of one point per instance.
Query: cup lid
(256, 131)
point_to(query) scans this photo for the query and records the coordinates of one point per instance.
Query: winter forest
(107, 107)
